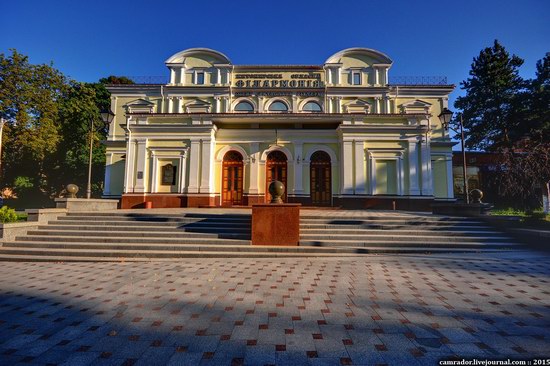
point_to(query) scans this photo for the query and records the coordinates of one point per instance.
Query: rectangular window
(356, 78)
(200, 78)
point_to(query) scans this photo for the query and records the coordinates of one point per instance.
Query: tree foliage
(46, 139)
(492, 106)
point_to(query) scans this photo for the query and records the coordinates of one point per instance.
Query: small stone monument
(72, 190)
(276, 190)
(476, 195)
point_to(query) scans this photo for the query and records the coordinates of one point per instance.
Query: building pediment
(198, 106)
(140, 106)
(416, 106)
(358, 106)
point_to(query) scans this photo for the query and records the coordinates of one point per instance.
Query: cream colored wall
(439, 177)
(116, 185)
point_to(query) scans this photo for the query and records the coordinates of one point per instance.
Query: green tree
(29, 100)
(79, 109)
(539, 101)
(493, 106)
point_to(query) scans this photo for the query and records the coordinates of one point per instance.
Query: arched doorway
(232, 179)
(276, 169)
(320, 179)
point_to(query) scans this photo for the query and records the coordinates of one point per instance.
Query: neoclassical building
(336, 134)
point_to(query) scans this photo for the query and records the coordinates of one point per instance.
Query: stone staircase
(142, 235)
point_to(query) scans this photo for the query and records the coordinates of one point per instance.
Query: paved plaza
(396, 310)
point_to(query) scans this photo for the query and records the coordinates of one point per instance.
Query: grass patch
(22, 217)
(536, 219)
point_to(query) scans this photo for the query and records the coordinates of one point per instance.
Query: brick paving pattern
(335, 311)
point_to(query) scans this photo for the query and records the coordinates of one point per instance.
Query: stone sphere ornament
(477, 195)
(72, 190)
(276, 190)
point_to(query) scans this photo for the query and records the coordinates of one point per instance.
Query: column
(141, 165)
(338, 104)
(183, 170)
(218, 102)
(194, 167)
(129, 166)
(172, 76)
(372, 174)
(219, 77)
(377, 105)
(414, 189)
(400, 181)
(347, 167)
(207, 167)
(427, 189)
(261, 104)
(329, 76)
(450, 182)
(294, 104)
(154, 173)
(170, 105)
(387, 104)
(108, 164)
(298, 168)
(360, 182)
(254, 167)
(181, 80)
(338, 72)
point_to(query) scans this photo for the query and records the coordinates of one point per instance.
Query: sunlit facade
(336, 134)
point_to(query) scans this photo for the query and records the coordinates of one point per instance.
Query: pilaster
(360, 181)
(414, 189)
(298, 168)
(254, 158)
(194, 166)
(347, 167)
(141, 165)
(425, 154)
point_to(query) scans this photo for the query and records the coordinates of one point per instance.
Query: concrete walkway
(397, 310)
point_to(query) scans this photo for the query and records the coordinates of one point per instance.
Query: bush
(8, 215)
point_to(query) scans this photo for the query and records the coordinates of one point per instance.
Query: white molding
(226, 149)
(315, 148)
(282, 149)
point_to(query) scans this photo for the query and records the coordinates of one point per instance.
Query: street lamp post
(107, 117)
(445, 118)
(2, 122)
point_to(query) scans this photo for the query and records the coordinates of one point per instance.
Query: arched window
(244, 107)
(312, 107)
(278, 106)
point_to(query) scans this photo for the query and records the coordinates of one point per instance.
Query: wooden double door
(232, 179)
(320, 179)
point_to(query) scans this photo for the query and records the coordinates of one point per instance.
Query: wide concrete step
(153, 219)
(152, 223)
(105, 239)
(309, 246)
(399, 231)
(131, 228)
(405, 238)
(388, 217)
(152, 214)
(385, 226)
(391, 222)
(409, 244)
(45, 254)
(228, 234)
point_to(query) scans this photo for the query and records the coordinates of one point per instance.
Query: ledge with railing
(394, 80)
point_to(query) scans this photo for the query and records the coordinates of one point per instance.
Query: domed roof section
(212, 55)
(362, 53)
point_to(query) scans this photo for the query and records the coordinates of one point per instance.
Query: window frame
(357, 73)
(245, 111)
(278, 111)
(312, 102)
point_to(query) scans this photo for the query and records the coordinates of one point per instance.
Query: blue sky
(91, 39)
